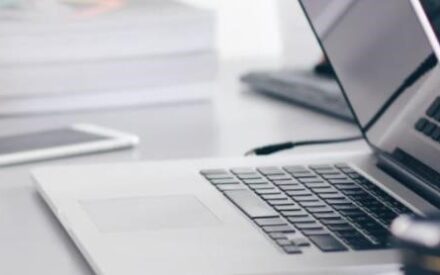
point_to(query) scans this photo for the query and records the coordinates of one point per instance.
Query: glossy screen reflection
(386, 67)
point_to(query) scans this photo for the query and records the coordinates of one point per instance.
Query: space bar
(250, 204)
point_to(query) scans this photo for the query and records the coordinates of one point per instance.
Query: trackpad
(149, 213)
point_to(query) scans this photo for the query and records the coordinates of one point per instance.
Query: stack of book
(104, 54)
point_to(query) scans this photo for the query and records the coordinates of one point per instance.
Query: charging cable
(274, 148)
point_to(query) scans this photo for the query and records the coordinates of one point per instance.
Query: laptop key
(288, 182)
(226, 187)
(280, 202)
(277, 235)
(283, 242)
(260, 186)
(290, 207)
(267, 191)
(218, 176)
(305, 226)
(213, 171)
(243, 170)
(314, 232)
(291, 188)
(250, 204)
(224, 181)
(249, 176)
(279, 228)
(291, 249)
(304, 219)
(269, 221)
(301, 242)
(295, 213)
(320, 210)
(255, 181)
(270, 171)
(327, 243)
(278, 177)
(274, 197)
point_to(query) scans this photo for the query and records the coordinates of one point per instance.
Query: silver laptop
(326, 212)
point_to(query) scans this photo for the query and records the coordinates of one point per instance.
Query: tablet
(63, 142)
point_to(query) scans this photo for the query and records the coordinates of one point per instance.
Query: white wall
(256, 27)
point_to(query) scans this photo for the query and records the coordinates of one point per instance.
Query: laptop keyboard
(429, 126)
(329, 206)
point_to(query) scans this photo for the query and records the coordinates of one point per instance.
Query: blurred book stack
(77, 55)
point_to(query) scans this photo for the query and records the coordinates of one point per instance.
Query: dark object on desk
(419, 239)
(316, 90)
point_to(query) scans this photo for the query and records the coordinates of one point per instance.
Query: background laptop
(278, 215)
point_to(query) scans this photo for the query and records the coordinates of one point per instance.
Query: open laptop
(282, 214)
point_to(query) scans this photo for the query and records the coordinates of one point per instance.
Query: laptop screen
(432, 10)
(386, 67)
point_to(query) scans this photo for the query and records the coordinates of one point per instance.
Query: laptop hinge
(404, 174)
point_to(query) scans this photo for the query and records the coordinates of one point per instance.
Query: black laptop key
(429, 128)
(331, 196)
(302, 219)
(294, 213)
(292, 249)
(359, 242)
(338, 202)
(308, 225)
(270, 171)
(334, 176)
(314, 232)
(292, 188)
(250, 204)
(421, 124)
(206, 172)
(274, 197)
(303, 175)
(261, 186)
(330, 215)
(278, 177)
(255, 181)
(317, 185)
(436, 134)
(249, 176)
(279, 228)
(290, 207)
(219, 176)
(345, 207)
(268, 191)
(435, 106)
(312, 204)
(286, 182)
(311, 180)
(269, 221)
(320, 210)
(224, 181)
(244, 170)
(226, 187)
(280, 202)
(305, 198)
(325, 190)
(327, 243)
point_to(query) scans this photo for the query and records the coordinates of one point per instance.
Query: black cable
(270, 149)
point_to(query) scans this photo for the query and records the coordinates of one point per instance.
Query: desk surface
(235, 120)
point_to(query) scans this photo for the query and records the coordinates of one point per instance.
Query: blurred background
(69, 55)
(269, 28)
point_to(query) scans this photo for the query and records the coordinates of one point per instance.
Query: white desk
(32, 241)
